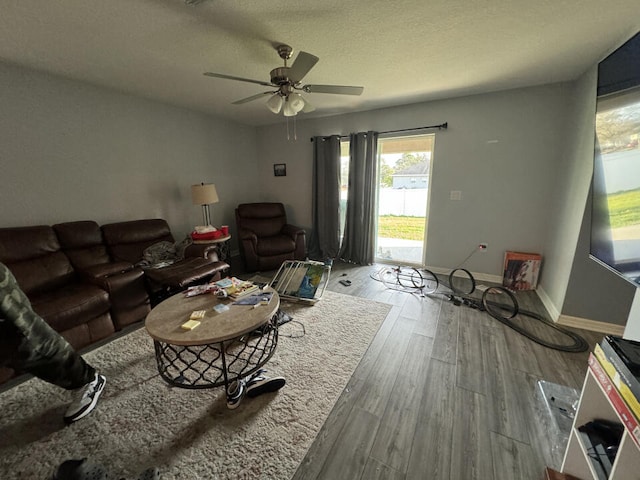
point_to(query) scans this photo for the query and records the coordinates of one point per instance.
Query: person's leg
(40, 351)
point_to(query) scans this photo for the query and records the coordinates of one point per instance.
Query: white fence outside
(411, 202)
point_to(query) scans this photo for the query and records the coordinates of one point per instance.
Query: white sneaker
(259, 383)
(235, 393)
(85, 399)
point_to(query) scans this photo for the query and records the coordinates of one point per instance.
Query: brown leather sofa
(78, 310)
(266, 239)
(85, 280)
(83, 244)
(127, 242)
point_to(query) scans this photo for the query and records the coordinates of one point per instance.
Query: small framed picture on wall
(280, 169)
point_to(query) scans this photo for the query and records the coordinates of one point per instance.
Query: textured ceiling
(400, 51)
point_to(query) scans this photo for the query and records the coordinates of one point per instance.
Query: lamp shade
(204, 194)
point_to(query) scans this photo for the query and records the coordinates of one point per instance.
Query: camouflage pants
(28, 344)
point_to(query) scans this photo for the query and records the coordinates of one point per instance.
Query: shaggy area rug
(190, 434)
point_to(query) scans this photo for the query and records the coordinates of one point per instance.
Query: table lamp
(204, 194)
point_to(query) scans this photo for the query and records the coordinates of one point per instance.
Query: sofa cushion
(82, 243)
(34, 257)
(107, 270)
(264, 219)
(127, 241)
(275, 245)
(71, 305)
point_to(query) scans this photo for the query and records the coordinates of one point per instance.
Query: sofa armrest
(209, 251)
(246, 235)
(125, 285)
(104, 270)
(292, 231)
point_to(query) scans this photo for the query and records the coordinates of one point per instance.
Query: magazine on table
(255, 299)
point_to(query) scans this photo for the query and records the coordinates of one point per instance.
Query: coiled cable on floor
(462, 284)
(579, 344)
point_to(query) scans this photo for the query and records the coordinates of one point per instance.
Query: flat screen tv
(615, 219)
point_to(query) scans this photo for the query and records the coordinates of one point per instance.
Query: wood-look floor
(443, 392)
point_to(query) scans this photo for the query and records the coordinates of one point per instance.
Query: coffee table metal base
(216, 364)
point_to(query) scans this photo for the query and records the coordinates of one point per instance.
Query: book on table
(224, 282)
(233, 286)
(262, 298)
(236, 288)
(243, 290)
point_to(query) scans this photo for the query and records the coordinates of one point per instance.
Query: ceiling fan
(287, 80)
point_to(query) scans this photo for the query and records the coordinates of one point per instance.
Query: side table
(223, 244)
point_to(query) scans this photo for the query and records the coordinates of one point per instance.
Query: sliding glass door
(403, 198)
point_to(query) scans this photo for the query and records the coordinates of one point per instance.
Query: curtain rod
(439, 127)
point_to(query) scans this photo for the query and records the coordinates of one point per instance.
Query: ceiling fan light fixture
(275, 103)
(288, 110)
(286, 79)
(296, 101)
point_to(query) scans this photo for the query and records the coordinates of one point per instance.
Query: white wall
(575, 287)
(71, 151)
(506, 185)
(569, 195)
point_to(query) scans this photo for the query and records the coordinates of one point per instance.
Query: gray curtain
(358, 244)
(325, 237)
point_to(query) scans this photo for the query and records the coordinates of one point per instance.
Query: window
(403, 193)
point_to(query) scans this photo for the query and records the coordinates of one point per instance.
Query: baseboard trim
(577, 322)
(553, 312)
(485, 277)
(591, 325)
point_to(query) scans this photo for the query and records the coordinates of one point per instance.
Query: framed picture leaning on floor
(521, 270)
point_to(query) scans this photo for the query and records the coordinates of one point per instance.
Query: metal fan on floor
(287, 80)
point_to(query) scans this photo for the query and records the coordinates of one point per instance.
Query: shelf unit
(601, 400)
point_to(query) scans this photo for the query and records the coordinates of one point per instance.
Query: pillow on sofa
(164, 253)
(159, 255)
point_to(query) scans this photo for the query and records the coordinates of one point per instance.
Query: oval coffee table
(224, 347)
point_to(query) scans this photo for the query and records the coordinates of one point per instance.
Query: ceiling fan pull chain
(295, 131)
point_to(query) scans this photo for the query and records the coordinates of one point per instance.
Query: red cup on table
(225, 230)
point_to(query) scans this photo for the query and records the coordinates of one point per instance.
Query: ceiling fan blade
(229, 77)
(336, 89)
(252, 98)
(301, 66)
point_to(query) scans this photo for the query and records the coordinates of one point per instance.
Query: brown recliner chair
(266, 239)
